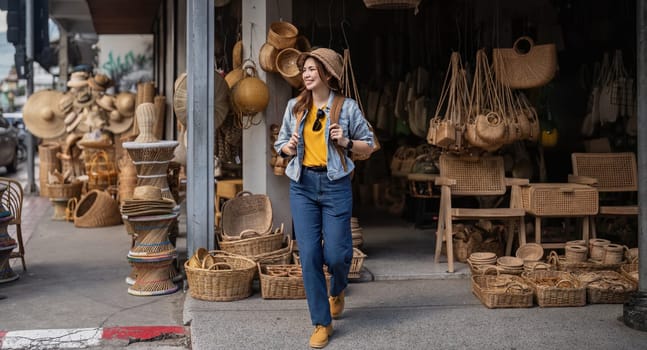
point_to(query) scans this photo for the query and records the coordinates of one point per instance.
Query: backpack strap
(335, 110)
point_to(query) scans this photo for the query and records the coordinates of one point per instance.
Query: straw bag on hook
(518, 69)
(349, 86)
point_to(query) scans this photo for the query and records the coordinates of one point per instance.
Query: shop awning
(105, 17)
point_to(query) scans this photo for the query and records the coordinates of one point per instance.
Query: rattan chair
(610, 173)
(476, 177)
(12, 200)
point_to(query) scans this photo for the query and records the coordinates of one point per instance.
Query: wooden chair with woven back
(614, 175)
(12, 200)
(476, 177)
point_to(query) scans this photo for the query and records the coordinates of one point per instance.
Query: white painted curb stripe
(52, 338)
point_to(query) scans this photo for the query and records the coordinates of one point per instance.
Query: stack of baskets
(280, 52)
(247, 226)
(600, 254)
(556, 288)
(356, 232)
(480, 261)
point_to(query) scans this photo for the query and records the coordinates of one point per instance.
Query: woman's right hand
(291, 146)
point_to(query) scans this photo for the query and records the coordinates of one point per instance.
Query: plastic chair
(483, 176)
(12, 200)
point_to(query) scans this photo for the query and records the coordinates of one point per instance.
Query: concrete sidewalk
(413, 314)
(408, 302)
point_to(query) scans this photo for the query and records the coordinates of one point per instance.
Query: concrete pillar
(635, 310)
(200, 89)
(63, 62)
(257, 173)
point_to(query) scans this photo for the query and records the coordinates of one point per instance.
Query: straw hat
(125, 103)
(147, 192)
(100, 82)
(83, 99)
(107, 102)
(119, 124)
(65, 103)
(220, 99)
(78, 79)
(42, 116)
(331, 60)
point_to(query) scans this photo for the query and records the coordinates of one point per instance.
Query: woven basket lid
(530, 252)
(42, 114)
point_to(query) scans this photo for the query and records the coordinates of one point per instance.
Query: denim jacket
(352, 122)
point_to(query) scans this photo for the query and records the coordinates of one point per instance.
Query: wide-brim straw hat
(65, 103)
(100, 82)
(107, 102)
(221, 98)
(125, 103)
(78, 79)
(118, 124)
(42, 115)
(331, 60)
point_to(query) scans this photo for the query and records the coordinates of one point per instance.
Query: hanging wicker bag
(522, 70)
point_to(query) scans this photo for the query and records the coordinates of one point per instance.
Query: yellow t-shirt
(316, 152)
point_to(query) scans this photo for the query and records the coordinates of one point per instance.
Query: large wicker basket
(210, 284)
(97, 209)
(630, 271)
(514, 293)
(559, 199)
(355, 265)
(65, 191)
(556, 288)
(607, 287)
(247, 212)
(253, 246)
(283, 281)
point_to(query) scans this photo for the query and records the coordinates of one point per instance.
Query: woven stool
(153, 276)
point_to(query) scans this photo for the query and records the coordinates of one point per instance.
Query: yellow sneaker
(319, 337)
(336, 305)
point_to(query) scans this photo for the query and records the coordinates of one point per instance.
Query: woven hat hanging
(42, 114)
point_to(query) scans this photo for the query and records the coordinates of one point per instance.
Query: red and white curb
(84, 337)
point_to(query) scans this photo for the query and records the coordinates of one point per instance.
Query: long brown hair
(304, 99)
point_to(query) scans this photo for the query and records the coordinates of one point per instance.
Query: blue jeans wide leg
(321, 211)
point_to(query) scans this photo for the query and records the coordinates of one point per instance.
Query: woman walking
(320, 127)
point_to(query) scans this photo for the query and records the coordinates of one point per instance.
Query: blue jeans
(321, 211)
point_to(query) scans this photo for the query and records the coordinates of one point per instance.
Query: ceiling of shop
(123, 16)
(105, 17)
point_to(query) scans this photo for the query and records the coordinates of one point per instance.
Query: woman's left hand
(336, 133)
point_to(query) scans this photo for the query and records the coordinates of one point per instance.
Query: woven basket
(607, 287)
(283, 281)
(519, 70)
(280, 256)
(253, 246)
(65, 191)
(222, 285)
(514, 294)
(246, 212)
(630, 271)
(48, 162)
(286, 64)
(97, 209)
(556, 288)
(282, 35)
(355, 265)
(267, 57)
(562, 264)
